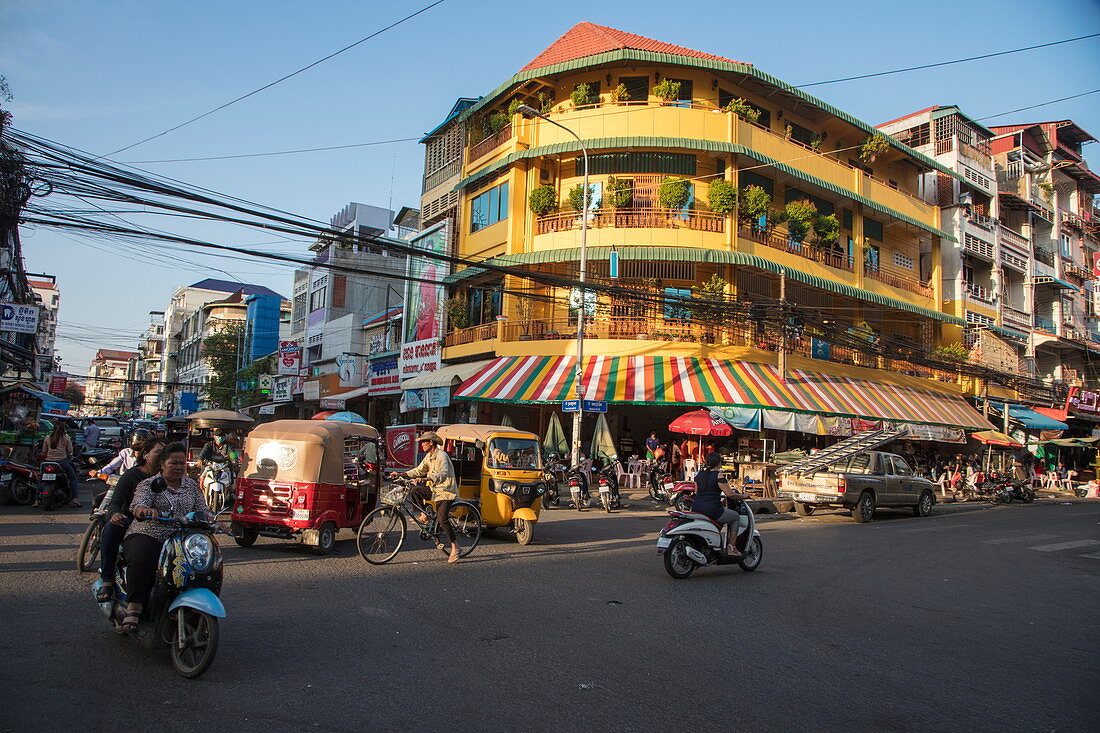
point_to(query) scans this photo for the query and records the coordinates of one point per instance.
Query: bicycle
(88, 551)
(382, 532)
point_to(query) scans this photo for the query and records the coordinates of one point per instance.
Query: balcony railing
(1018, 317)
(1014, 239)
(1045, 256)
(490, 143)
(1045, 324)
(816, 252)
(437, 177)
(1079, 272)
(985, 222)
(633, 219)
(979, 293)
(897, 279)
(484, 332)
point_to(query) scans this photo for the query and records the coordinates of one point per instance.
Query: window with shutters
(339, 290)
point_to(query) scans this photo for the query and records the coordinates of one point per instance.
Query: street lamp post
(575, 458)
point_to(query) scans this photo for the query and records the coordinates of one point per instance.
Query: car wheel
(245, 536)
(326, 539)
(923, 506)
(804, 510)
(864, 510)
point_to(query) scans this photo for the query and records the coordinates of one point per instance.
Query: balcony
(981, 220)
(489, 144)
(1045, 324)
(783, 242)
(1012, 260)
(632, 219)
(1045, 256)
(1014, 317)
(461, 337)
(1013, 238)
(979, 293)
(435, 178)
(897, 278)
(1079, 272)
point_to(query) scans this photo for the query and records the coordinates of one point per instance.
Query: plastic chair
(627, 480)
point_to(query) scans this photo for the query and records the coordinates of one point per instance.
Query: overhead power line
(1036, 106)
(948, 63)
(276, 152)
(281, 79)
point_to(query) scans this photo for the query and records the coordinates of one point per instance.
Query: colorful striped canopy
(675, 380)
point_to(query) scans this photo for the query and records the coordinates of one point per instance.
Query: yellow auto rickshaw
(500, 468)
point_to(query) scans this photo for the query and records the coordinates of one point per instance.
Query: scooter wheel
(754, 553)
(195, 653)
(89, 547)
(677, 562)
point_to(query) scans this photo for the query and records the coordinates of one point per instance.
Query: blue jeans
(109, 543)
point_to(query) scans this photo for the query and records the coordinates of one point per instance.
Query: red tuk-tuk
(306, 479)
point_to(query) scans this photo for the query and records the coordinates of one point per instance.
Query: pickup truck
(861, 483)
(110, 429)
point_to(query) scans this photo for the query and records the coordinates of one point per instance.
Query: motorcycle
(1020, 491)
(183, 608)
(660, 483)
(578, 489)
(555, 477)
(217, 484)
(18, 483)
(88, 551)
(683, 496)
(608, 484)
(53, 486)
(691, 540)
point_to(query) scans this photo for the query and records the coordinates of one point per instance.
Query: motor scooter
(608, 484)
(578, 489)
(53, 486)
(183, 608)
(691, 540)
(555, 476)
(18, 483)
(1020, 491)
(217, 482)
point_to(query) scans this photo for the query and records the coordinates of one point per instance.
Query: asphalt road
(973, 619)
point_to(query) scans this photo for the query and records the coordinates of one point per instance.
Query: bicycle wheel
(465, 520)
(89, 547)
(381, 534)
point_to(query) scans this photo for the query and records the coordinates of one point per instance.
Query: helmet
(138, 437)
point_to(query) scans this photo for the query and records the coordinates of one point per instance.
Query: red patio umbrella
(700, 422)
(323, 415)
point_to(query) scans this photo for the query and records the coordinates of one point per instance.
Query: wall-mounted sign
(280, 391)
(18, 318)
(289, 356)
(423, 324)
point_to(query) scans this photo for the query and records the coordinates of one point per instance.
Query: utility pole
(783, 325)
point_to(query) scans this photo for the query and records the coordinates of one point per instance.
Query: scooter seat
(696, 515)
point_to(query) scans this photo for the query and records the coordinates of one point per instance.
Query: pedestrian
(91, 435)
(436, 467)
(59, 449)
(652, 443)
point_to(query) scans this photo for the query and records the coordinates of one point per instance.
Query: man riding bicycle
(437, 469)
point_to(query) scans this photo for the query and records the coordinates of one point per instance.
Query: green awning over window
(710, 146)
(711, 256)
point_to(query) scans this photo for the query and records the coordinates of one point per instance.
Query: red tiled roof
(588, 39)
(113, 355)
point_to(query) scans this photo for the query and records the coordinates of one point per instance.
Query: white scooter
(217, 484)
(692, 540)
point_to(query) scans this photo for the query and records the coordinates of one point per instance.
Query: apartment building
(109, 383)
(48, 294)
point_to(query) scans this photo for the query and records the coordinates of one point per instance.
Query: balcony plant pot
(526, 337)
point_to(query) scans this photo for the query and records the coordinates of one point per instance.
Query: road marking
(1093, 556)
(1065, 545)
(1028, 538)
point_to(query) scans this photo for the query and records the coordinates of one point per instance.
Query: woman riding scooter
(710, 486)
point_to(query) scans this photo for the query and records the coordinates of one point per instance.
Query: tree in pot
(581, 95)
(543, 200)
(620, 93)
(674, 193)
(722, 196)
(619, 192)
(458, 313)
(498, 121)
(667, 90)
(708, 306)
(755, 205)
(873, 146)
(800, 218)
(743, 109)
(575, 199)
(525, 310)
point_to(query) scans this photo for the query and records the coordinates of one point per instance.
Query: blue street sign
(571, 406)
(594, 406)
(613, 264)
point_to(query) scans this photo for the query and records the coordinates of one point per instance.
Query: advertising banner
(19, 318)
(348, 368)
(58, 383)
(289, 357)
(423, 323)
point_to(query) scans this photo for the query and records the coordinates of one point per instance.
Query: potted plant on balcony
(873, 146)
(498, 121)
(513, 107)
(956, 353)
(800, 218)
(1046, 188)
(458, 314)
(826, 230)
(743, 109)
(756, 205)
(619, 94)
(674, 193)
(546, 102)
(722, 196)
(581, 96)
(525, 309)
(543, 200)
(667, 90)
(575, 199)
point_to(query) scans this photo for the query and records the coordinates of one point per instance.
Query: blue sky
(102, 75)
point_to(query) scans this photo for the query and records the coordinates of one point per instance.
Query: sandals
(454, 556)
(128, 625)
(105, 593)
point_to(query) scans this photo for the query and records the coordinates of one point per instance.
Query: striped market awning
(674, 380)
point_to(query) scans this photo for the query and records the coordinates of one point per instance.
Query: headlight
(508, 488)
(199, 551)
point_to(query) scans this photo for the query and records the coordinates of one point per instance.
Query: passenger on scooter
(171, 492)
(59, 449)
(118, 512)
(710, 486)
(127, 457)
(217, 448)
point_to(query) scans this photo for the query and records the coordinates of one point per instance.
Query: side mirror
(479, 444)
(159, 485)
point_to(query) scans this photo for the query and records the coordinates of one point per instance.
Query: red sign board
(1096, 264)
(58, 384)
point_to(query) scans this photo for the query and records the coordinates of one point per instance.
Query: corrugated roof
(589, 39)
(228, 286)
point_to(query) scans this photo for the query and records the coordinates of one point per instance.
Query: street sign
(571, 406)
(267, 409)
(594, 406)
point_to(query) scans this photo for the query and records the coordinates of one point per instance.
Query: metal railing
(1045, 256)
(490, 143)
(1045, 324)
(633, 219)
(437, 177)
(897, 279)
(978, 292)
(484, 332)
(782, 241)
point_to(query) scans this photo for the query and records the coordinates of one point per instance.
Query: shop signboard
(289, 357)
(311, 390)
(58, 382)
(383, 377)
(332, 403)
(1083, 400)
(423, 324)
(402, 451)
(18, 318)
(280, 391)
(267, 409)
(347, 367)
